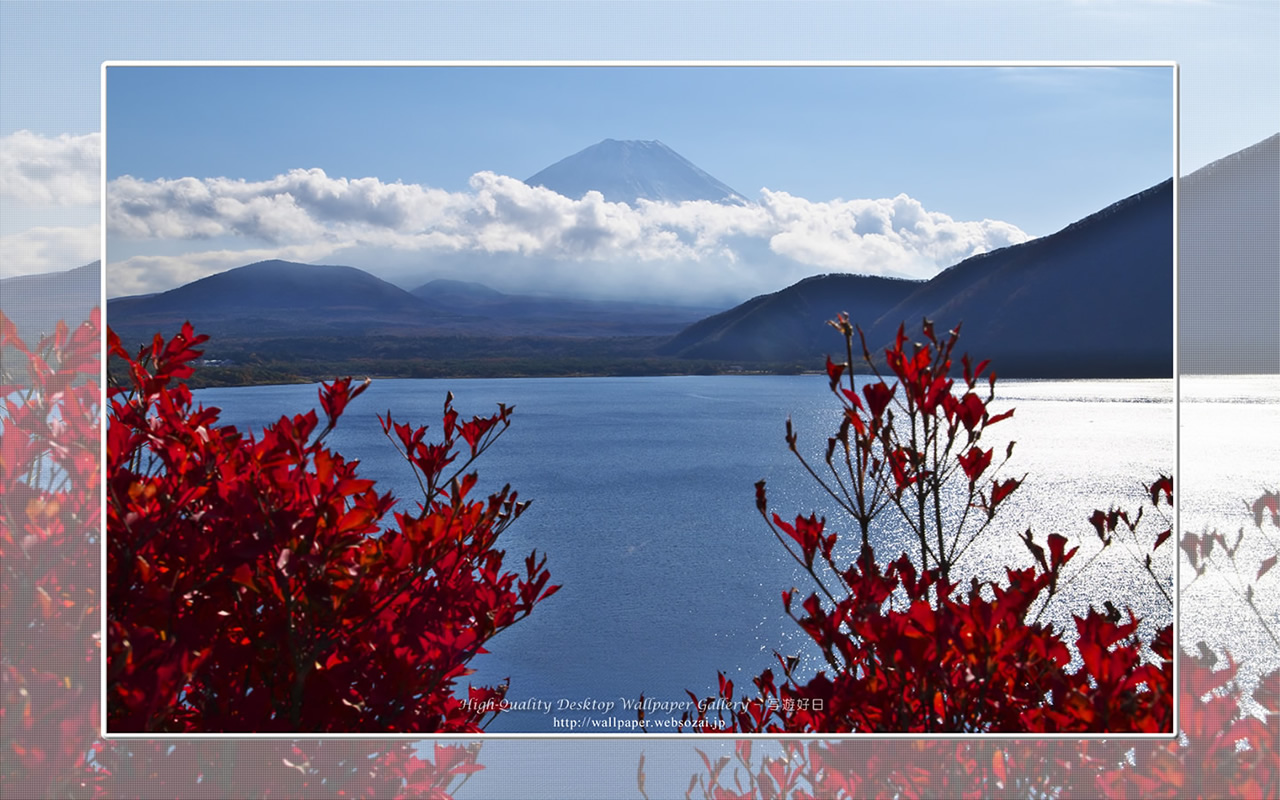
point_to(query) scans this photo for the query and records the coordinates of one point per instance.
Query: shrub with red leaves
(50, 544)
(906, 648)
(252, 587)
(1220, 751)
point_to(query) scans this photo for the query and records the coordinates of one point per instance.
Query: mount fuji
(628, 171)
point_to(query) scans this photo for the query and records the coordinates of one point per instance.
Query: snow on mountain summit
(628, 170)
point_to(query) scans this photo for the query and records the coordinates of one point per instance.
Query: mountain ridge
(1094, 299)
(276, 296)
(35, 303)
(787, 324)
(283, 298)
(1229, 263)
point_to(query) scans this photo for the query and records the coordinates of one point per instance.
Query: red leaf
(243, 575)
(878, 396)
(970, 409)
(999, 491)
(1099, 521)
(1266, 565)
(997, 417)
(975, 462)
(335, 396)
(1057, 544)
(834, 371)
(726, 686)
(1269, 501)
(1162, 486)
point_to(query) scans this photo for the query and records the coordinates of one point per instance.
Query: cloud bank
(49, 249)
(49, 190)
(40, 170)
(519, 237)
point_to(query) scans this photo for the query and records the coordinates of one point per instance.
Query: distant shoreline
(279, 375)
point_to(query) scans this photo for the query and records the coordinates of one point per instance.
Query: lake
(644, 502)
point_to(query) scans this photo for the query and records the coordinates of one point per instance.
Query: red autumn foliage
(1218, 754)
(50, 520)
(906, 648)
(49, 675)
(49, 584)
(1220, 751)
(252, 587)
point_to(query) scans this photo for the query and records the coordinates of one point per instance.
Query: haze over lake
(643, 501)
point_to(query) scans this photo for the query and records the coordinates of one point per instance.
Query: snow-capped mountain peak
(625, 171)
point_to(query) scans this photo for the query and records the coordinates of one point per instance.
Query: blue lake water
(644, 502)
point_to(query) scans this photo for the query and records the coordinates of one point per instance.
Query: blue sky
(898, 170)
(1036, 147)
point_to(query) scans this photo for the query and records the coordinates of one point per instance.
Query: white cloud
(39, 170)
(48, 249)
(527, 236)
(883, 237)
(295, 207)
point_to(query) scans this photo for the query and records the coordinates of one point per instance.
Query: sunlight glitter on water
(1229, 455)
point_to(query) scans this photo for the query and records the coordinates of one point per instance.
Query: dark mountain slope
(272, 299)
(789, 325)
(1092, 300)
(1229, 263)
(465, 293)
(35, 303)
(625, 171)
